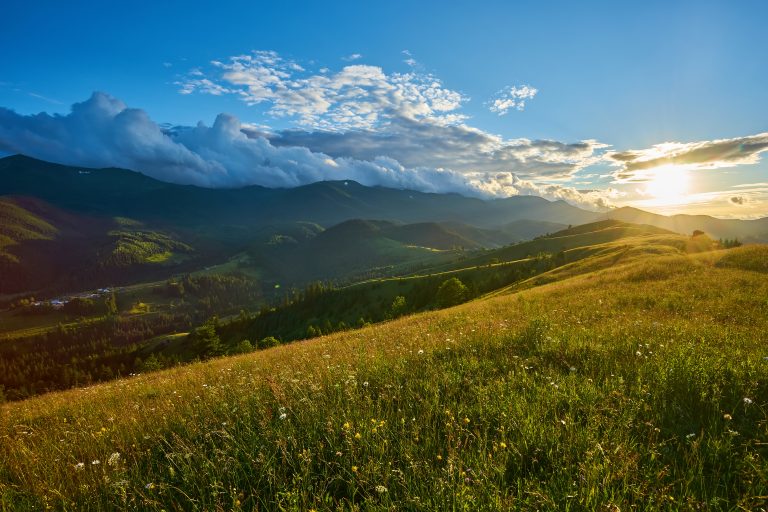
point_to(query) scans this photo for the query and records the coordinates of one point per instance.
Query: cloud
(512, 97)
(459, 147)
(45, 98)
(362, 112)
(104, 132)
(355, 97)
(739, 200)
(354, 56)
(715, 154)
(409, 60)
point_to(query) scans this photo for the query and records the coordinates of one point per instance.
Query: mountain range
(65, 227)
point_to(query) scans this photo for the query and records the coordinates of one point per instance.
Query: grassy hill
(637, 382)
(43, 247)
(47, 349)
(745, 230)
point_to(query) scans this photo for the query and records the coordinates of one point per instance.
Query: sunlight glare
(668, 184)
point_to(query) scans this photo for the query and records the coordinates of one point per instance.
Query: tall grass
(635, 387)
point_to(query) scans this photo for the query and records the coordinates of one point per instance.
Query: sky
(657, 105)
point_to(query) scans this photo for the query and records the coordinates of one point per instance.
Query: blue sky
(629, 76)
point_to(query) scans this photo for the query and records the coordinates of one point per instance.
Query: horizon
(520, 105)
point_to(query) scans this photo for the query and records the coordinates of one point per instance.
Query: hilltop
(633, 377)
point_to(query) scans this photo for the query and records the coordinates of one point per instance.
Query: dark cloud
(739, 200)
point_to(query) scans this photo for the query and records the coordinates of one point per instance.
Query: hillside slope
(641, 385)
(745, 230)
(45, 247)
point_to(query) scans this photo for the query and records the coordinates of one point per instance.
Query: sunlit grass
(643, 385)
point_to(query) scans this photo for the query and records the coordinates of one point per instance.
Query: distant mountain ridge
(63, 227)
(119, 192)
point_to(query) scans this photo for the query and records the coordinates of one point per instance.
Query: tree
(398, 306)
(244, 347)
(697, 232)
(110, 304)
(451, 292)
(269, 342)
(728, 243)
(208, 339)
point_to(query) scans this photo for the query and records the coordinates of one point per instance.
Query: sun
(668, 184)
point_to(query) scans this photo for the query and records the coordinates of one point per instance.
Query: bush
(451, 292)
(269, 342)
(244, 347)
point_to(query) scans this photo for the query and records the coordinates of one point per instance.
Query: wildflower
(466, 421)
(283, 416)
(381, 489)
(95, 462)
(420, 352)
(354, 469)
(80, 466)
(346, 426)
(365, 384)
(439, 457)
(357, 435)
(747, 401)
(502, 445)
(114, 459)
(690, 436)
(149, 486)
(727, 417)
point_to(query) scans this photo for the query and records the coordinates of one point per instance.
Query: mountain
(745, 230)
(64, 228)
(119, 192)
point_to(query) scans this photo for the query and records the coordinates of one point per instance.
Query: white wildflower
(80, 466)
(381, 489)
(747, 401)
(283, 416)
(95, 462)
(690, 436)
(114, 459)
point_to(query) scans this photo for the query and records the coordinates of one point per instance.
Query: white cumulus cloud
(512, 97)
(356, 97)
(104, 132)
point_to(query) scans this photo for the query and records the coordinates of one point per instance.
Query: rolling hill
(635, 382)
(749, 231)
(43, 247)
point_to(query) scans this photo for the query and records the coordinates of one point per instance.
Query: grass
(643, 385)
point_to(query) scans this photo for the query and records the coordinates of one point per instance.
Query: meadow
(638, 381)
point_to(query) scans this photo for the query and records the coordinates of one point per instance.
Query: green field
(639, 382)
